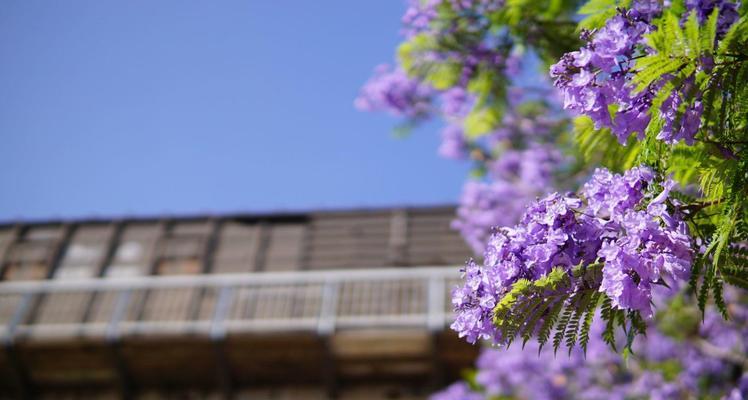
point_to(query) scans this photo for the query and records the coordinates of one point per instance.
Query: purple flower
(418, 16)
(457, 391)
(661, 366)
(453, 145)
(597, 79)
(610, 223)
(474, 303)
(394, 92)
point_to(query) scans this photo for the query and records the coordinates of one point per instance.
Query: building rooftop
(223, 302)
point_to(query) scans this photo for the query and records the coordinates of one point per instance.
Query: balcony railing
(224, 304)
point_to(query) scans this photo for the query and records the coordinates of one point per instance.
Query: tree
(640, 141)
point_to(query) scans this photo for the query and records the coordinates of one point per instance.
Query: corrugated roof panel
(349, 241)
(134, 250)
(285, 247)
(237, 248)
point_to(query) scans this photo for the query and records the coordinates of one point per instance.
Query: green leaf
(691, 33)
(443, 76)
(480, 122)
(597, 12)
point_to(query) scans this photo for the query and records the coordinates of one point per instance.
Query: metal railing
(221, 304)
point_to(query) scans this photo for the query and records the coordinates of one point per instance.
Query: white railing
(324, 301)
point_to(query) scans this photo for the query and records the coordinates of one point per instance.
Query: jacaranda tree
(608, 140)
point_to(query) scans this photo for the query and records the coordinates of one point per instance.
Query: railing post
(221, 310)
(325, 328)
(120, 308)
(329, 307)
(18, 316)
(436, 294)
(18, 369)
(112, 338)
(435, 321)
(218, 336)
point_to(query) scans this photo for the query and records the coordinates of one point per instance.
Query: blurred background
(195, 209)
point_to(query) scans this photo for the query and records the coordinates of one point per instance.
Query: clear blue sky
(111, 108)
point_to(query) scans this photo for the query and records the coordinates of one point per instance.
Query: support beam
(438, 375)
(126, 383)
(111, 247)
(206, 260)
(59, 249)
(224, 375)
(325, 329)
(20, 372)
(15, 237)
(154, 253)
(105, 261)
(330, 368)
(127, 387)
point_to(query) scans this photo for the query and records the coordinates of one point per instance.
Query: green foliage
(670, 369)
(544, 308)
(481, 121)
(597, 12)
(686, 58)
(441, 75)
(679, 319)
(546, 26)
(717, 162)
(600, 147)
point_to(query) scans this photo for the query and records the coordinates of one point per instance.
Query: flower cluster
(393, 91)
(597, 79)
(408, 90)
(517, 177)
(456, 103)
(520, 164)
(418, 16)
(500, 201)
(474, 302)
(663, 367)
(638, 246)
(517, 156)
(622, 222)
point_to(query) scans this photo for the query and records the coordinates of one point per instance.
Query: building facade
(336, 304)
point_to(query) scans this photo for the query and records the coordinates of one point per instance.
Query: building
(347, 304)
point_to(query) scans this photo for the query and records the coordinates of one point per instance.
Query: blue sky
(112, 108)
